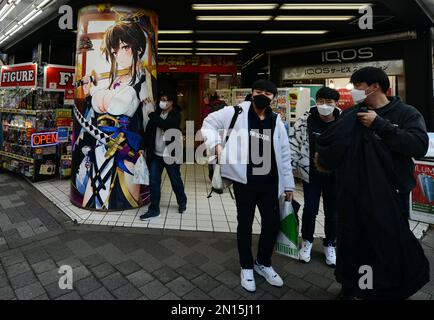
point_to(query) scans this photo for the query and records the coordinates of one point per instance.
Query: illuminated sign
(58, 78)
(19, 75)
(44, 139)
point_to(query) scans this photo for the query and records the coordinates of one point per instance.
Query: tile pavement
(139, 263)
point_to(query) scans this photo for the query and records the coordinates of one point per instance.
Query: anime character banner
(116, 78)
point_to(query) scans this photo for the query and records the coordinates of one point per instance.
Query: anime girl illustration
(104, 177)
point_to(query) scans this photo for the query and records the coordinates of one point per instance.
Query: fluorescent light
(323, 6)
(7, 12)
(313, 18)
(175, 53)
(219, 32)
(175, 31)
(219, 49)
(31, 13)
(233, 18)
(16, 30)
(237, 6)
(216, 53)
(1, 41)
(294, 31)
(37, 13)
(5, 8)
(223, 41)
(175, 41)
(11, 30)
(43, 3)
(169, 49)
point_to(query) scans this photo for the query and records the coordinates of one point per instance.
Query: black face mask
(261, 101)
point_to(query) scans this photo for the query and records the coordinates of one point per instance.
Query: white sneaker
(304, 254)
(330, 254)
(248, 280)
(269, 274)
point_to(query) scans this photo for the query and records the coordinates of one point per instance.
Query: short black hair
(371, 75)
(265, 85)
(328, 93)
(170, 96)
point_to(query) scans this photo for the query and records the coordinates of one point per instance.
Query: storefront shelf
(16, 157)
(24, 111)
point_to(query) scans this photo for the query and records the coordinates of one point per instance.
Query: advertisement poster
(116, 73)
(422, 196)
(239, 95)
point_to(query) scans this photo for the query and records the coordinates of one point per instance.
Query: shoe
(269, 274)
(182, 208)
(304, 254)
(330, 254)
(149, 215)
(248, 280)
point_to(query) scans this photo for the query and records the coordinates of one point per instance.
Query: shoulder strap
(238, 110)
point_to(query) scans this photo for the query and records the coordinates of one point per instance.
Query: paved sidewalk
(137, 263)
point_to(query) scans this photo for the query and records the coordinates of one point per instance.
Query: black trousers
(247, 197)
(312, 194)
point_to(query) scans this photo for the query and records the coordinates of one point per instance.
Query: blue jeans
(173, 172)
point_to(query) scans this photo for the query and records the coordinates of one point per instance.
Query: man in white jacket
(257, 159)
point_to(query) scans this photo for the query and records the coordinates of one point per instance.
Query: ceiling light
(175, 53)
(313, 18)
(228, 31)
(43, 4)
(233, 18)
(175, 31)
(3, 40)
(223, 41)
(32, 15)
(219, 49)
(323, 6)
(180, 49)
(12, 30)
(16, 30)
(175, 41)
(237, 6)
(294, 31)
(10, 8)
(216, 53)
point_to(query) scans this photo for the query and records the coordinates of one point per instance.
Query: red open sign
(44, 139)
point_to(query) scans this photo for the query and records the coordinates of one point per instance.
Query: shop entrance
(186, 87)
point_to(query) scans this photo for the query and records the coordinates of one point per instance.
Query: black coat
(171, 122)
(372, 230)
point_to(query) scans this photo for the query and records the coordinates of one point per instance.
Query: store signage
(44, 139)
(58, 77)
(63, 117)
(422, 196)
(342, 70)
(62, 134)
(18, 75)
(347, 54)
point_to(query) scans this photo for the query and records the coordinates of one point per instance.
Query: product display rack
(25, 112)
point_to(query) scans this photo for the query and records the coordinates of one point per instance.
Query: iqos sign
(347, 54)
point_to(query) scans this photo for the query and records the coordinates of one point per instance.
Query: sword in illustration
(113, 145)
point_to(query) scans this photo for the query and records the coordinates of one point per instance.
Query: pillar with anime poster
(115, 89)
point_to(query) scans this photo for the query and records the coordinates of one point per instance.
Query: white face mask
(325, 109)
(359, 95)
(164, 105)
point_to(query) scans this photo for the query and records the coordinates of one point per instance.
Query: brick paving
(136, 263)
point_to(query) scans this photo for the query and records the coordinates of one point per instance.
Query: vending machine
(291, 103)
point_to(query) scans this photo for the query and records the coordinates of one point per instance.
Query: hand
(219, 150)
(142, 152)
(86, 84)
(366, 118)
(289, 195)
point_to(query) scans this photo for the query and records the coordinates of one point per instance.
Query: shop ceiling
(236, 27)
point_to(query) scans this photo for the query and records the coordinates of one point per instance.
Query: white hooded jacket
(235, 153)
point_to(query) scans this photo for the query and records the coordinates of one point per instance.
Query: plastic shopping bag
(288, 240)
(141, 172)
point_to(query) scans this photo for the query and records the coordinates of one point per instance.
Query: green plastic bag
(287, 241)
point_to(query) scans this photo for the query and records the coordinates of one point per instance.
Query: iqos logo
(347, 54)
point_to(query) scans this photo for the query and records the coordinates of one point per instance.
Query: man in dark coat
(370, 149)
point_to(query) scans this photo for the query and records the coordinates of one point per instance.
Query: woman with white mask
(302, 141)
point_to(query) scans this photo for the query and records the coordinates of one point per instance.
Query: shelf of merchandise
(17, 157)
(24, 111)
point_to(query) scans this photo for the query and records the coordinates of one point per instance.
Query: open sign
(44, 139)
